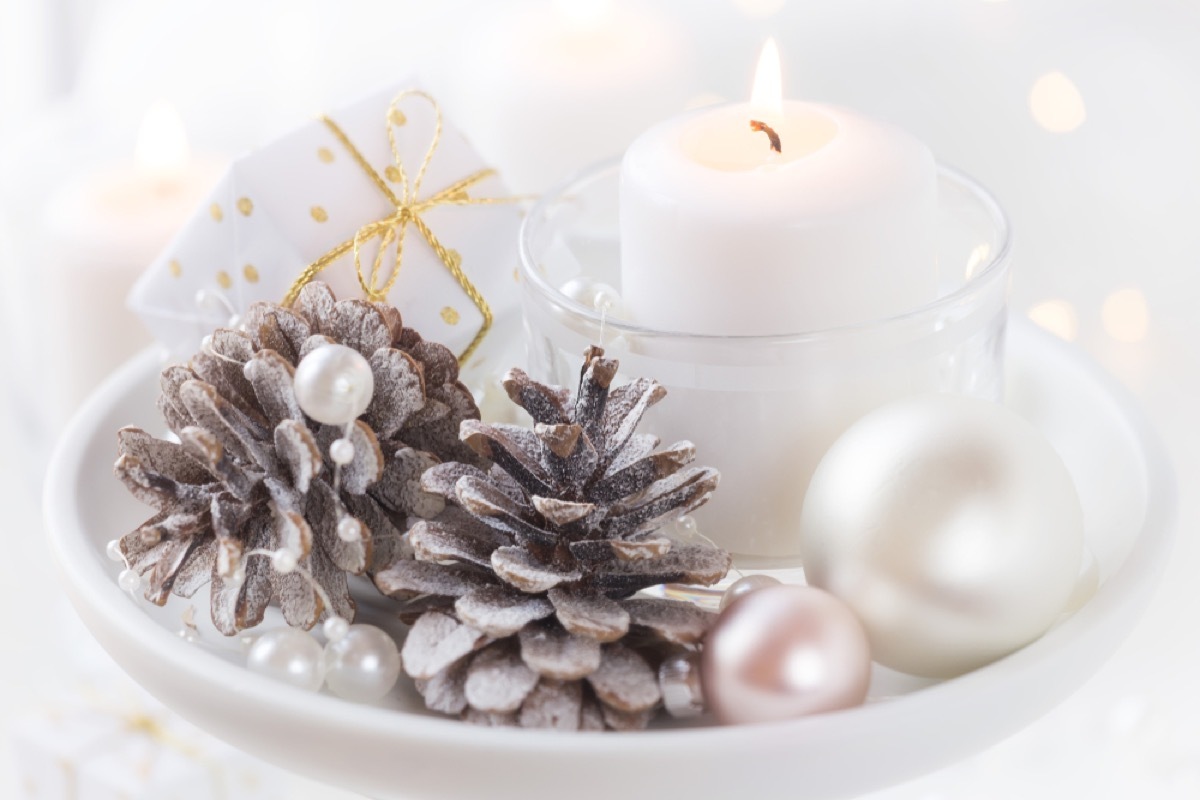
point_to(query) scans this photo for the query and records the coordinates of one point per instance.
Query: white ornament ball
(950, 526)
(362, 665)
(289, 655)
(334, 384)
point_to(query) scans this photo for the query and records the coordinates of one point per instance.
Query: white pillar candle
(561, 85)
(101, 230)
(720, 234)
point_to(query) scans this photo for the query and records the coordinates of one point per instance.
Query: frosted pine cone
(523, 590)
(252, 472)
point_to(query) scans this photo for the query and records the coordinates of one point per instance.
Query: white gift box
(335, 183)
(138, 752)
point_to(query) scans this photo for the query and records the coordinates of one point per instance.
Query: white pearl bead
(341, 451)
(952, 528)
(605, 298)
(688, 530)
(744, 586)
(288, 655)
(284, 561)
(363, 665)
(336, 628)
(334, 384)
(349, 529)
(113, 549)
(593, 294)
(579, 289)
(129, 580)
(679, 681)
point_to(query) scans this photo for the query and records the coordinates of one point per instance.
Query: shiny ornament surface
(783, 652)
(334, 384)
(289, 655)
(744, 586)
(951, 527)
(362, 664)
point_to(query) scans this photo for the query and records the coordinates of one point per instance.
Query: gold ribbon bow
(408, 208)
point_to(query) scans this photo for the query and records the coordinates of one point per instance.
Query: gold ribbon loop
(408, 208)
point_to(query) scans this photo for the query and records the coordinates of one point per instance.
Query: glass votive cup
(764, 409)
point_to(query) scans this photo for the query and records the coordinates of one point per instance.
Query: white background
(1105, 216)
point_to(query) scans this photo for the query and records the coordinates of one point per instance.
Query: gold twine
(407, 211)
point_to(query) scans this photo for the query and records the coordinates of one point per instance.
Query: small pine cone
(523, 590)
(251, 471)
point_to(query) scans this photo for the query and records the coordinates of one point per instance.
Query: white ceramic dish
(400, 751)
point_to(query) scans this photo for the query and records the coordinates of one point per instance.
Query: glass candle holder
(763, 409)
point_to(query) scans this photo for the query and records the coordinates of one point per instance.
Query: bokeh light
(1056, 103)
(1058, 317)
(1126, 316)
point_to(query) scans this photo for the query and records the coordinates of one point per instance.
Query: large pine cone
(522, 590)
(252, 472)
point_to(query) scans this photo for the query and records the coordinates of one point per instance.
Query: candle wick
(772, 136)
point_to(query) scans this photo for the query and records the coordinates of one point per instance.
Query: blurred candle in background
(563, 84)
(101, 229)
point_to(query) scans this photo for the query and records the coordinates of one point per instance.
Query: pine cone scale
(437, 641)
(589, 613)
(553, 652)
(498, 680)
(554, 705)
(500, 611)
(270, 377)
(624, 681)
(519, 568)
(406, 579)
(433, 542)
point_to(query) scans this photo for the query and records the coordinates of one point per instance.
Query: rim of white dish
(83, 566)
(995, 269)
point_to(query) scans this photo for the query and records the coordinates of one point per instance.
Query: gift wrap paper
(137, 752)
(283, 207)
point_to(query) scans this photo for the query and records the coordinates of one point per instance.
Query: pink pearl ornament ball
(783, 652)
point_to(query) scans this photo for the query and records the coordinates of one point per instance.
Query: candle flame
(766, 99)
(162, 146)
